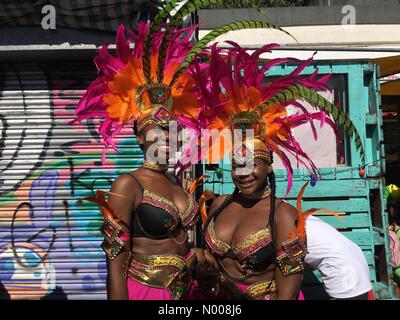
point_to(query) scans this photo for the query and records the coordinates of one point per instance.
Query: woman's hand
(206, 271)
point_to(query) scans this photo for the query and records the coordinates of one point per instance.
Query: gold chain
(266, 193)
(183, 241)
(232, 276)
(154, 166)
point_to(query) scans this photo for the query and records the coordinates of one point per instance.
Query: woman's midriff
(258, 290)
(235, 284)
(162, 246)
(233, 267)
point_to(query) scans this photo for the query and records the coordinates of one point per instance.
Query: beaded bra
(255, 252)
(247, 251)
(157, 217)
(186, 217)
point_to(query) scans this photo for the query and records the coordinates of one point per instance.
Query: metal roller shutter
(49, 246)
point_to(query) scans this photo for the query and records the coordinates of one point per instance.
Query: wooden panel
(350, 221)
(361, 237)
(324, 189)
(353, 205)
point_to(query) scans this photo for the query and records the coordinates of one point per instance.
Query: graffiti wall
(49, 246)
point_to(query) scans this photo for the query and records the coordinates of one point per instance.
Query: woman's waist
(238, 272)
(144, 245)
(179, 261)
(263, 289)
(166, 271)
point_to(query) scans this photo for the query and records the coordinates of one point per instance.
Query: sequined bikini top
(255, 253)
(157, 217)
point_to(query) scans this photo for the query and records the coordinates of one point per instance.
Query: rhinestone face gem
(163, 115)
(242, 154)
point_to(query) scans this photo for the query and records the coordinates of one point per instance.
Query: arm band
(112, 231)
(290, 259)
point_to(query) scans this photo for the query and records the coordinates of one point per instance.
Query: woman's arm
(288, 287)
(122, 209)
(207, 269)
(215, 205)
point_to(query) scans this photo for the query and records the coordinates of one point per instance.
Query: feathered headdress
(149, 83)
(233, 89)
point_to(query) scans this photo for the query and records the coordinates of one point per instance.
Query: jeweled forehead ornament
(249, 128)
(154, 101)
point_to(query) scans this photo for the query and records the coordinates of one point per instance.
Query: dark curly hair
(136, 132)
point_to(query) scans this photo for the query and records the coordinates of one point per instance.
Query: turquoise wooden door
(342, 189)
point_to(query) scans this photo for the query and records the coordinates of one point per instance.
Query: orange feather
(207, 195)
(302, 216)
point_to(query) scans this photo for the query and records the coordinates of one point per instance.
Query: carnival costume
(392, 196)
(150, 84)
(247, 102)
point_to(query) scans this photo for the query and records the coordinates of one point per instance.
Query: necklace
(179, 243)
(266, 193)
(154, 166)
(242, 277)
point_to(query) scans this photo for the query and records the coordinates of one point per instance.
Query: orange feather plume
(302, 216)
(207, 195)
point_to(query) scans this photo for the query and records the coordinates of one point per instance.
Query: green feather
(193, 5)
(298, 92)
(251, 116)
(237, 25)
(163, 51)
(176, 20)
(155, 27)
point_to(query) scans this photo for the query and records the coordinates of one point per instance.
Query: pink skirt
(138, 291)
(196, 293)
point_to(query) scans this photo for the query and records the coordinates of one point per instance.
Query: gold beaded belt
(265, 289)
(165, 271)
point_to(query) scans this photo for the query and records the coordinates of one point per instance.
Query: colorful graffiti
(49, 246)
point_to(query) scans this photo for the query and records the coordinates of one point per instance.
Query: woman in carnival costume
(392, 196)
(148, 214)
(258, 241)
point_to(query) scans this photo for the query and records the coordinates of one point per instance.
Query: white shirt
(340, 261)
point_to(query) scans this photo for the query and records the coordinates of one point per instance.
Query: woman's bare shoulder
(285, 212)
(217, 202)
(124, 184)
